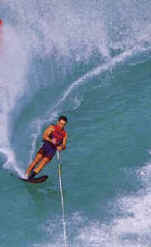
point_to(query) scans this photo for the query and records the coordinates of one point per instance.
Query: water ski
(35, 180)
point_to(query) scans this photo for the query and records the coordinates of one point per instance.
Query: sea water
(91, 61)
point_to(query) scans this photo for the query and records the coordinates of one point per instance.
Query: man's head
(62, 121)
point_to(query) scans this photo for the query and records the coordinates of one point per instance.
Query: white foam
(13, 67)
(94, 72)
(60, 26)
(131, 227)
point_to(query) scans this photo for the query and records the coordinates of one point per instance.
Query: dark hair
(63, 118)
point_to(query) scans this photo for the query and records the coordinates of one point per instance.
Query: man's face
(61, 123)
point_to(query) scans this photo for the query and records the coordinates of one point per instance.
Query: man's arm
(64, 141)
(63, 145)
(47, 133)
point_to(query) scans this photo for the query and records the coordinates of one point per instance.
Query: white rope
(62, 199)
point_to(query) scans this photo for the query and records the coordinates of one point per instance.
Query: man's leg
(42, 163)
(34, 163)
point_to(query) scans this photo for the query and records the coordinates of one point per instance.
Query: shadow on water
(40, 191)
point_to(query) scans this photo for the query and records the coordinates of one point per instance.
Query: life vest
(58, 134)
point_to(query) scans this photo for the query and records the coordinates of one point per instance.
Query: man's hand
(54, 141)
(59, 148)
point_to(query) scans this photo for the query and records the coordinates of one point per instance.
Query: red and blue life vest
(58, 134)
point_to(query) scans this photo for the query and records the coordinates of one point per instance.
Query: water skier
(54, 138)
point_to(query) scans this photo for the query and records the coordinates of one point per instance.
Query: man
(55, 138)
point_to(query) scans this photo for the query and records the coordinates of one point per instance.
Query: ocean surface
(91, 61)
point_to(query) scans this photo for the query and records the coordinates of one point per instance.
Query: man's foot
(32, 174)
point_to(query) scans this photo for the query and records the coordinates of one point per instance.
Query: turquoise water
(92, 62)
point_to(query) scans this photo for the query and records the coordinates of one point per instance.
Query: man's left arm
(63, 145)
(64, 142)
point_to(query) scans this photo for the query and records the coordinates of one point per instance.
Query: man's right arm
(47, 133)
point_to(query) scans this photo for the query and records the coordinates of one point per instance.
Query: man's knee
(46, 159)
(38, 157)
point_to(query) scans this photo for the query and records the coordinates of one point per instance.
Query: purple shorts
(47, 150)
